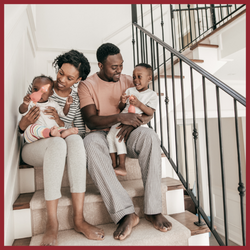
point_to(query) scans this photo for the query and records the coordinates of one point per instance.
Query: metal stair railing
(146, 48)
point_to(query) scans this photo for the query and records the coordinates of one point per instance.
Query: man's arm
(93, 121)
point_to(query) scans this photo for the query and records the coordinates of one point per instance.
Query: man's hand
(134, 120)
(124, 132)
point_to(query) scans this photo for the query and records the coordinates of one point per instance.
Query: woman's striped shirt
(74, 117)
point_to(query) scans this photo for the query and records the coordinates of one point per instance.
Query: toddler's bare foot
(70, 131)
(54, 132)
(50, 235)
(91, 232)
(125, 227)
(120, 170)
(159, 222)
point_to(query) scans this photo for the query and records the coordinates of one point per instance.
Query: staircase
(32, 205)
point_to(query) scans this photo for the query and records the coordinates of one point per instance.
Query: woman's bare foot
(91, 232)
(54, 132)
(159, 222)
(50, 235)
(70, 131)
(120, 170)
(125, 226)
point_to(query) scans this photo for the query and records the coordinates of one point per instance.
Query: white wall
(19, 66)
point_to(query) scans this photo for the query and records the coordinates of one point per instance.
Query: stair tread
(23, 201)
(143, 234)
(133, 187)
(187, 219)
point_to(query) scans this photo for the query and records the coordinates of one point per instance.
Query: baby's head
(142, 75)
(40, 81)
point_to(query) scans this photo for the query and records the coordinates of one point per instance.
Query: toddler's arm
(23, 108)
(67, 104)
(123, 101)
(147, 110)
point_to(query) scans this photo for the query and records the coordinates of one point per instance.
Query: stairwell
(33, 205)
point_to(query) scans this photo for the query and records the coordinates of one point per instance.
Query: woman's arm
(30, 118)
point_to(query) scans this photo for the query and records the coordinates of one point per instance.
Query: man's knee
(94, 140)
(149, 134)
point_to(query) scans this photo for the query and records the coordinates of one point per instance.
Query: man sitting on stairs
(99, 98)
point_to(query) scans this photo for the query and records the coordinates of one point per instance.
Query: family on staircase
(54, 129)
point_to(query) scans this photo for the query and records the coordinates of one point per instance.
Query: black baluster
(153, 78)
(198, 19)
(195, 136)
(182, 42)
(241, 187)
(174, 107)
(222, 166)
(159, 91)
(184, 121)
(190, 24)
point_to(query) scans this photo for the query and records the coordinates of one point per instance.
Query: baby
(45, 126)
(144, 100)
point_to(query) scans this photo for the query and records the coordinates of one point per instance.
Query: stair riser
(94, 213)
(132, 166)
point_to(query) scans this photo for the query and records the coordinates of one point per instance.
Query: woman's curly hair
(75, 58)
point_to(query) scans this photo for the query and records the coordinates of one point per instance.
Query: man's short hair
(105, 50)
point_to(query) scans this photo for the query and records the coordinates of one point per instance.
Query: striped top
(74, 117)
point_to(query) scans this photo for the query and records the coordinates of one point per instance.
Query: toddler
(144, 100)
(45, 126)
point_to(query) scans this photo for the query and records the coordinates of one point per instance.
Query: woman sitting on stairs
(52, 153)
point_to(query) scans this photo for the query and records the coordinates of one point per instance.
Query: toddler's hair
(105, 50)
(147, 66)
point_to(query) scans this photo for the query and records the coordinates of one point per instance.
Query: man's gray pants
(144, 145)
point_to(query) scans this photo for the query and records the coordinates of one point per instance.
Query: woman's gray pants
(52, 154)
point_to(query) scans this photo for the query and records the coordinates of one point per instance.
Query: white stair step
(144, 234)
(95, 211)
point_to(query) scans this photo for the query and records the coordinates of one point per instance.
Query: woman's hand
(30, 118)
(54, 115)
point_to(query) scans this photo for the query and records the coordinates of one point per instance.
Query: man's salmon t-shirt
(104, 95)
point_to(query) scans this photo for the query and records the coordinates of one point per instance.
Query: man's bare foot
(159, 222)
(125, 226)
(120, 170)
(54, 132)
(70, 131)
(50, 235)
(91, 232)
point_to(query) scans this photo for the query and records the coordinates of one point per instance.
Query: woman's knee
(57, 143)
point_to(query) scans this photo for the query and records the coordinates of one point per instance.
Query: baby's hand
(124, 97)
(134, 101)
(69, 100)
(26, 99)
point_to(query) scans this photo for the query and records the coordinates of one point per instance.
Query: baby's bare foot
(54, 132)
(70, 131)
(120, 170)
(91, 232)
(50, 235)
